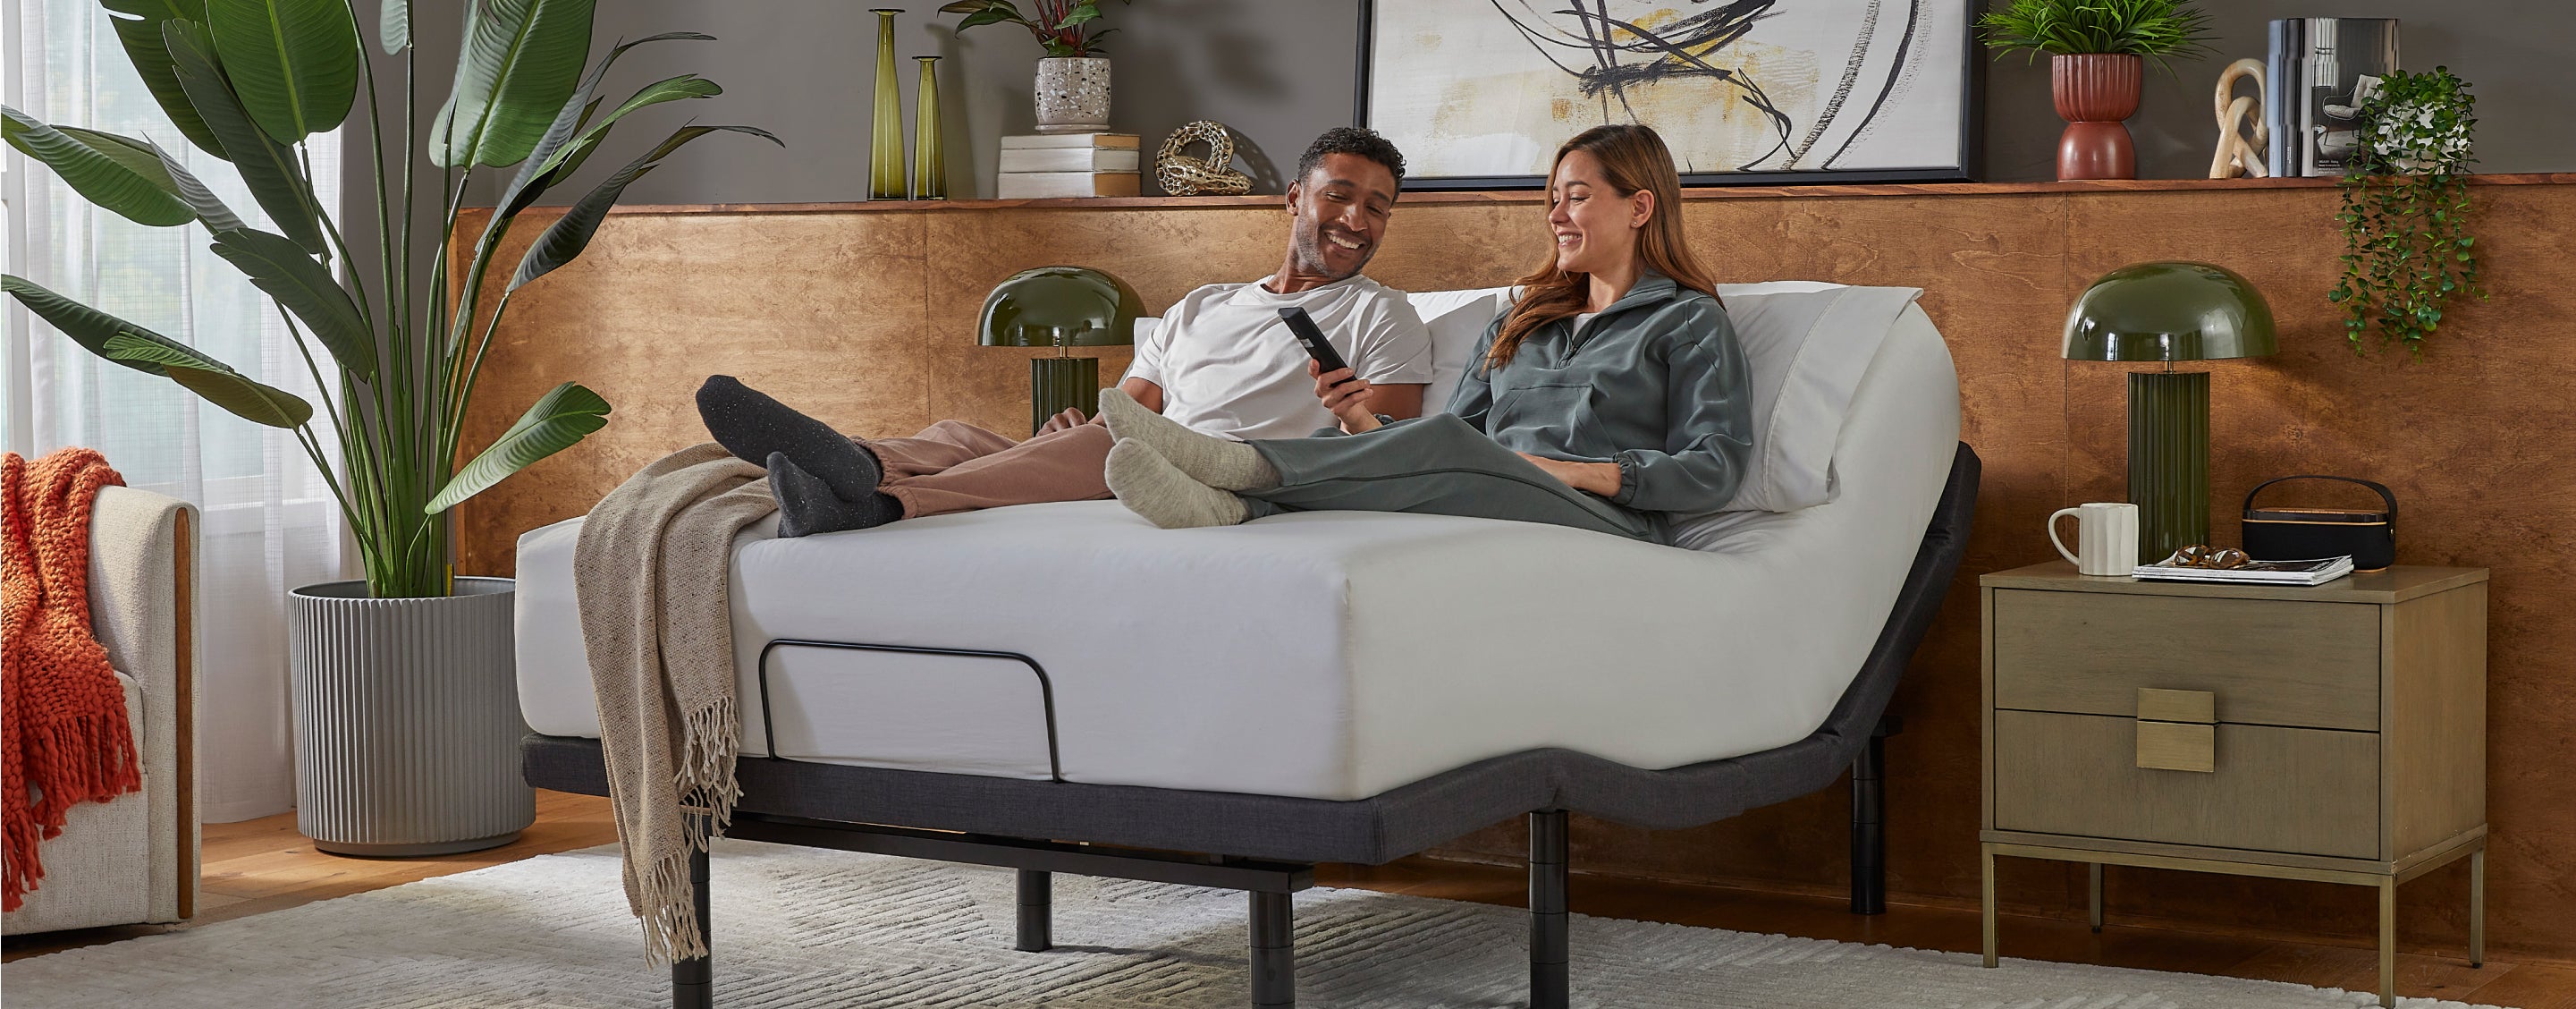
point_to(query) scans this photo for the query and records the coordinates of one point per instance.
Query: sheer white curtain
(270, 523)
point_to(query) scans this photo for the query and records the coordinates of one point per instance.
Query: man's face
(1342, 208)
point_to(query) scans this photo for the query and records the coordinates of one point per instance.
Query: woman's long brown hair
(1632, 157)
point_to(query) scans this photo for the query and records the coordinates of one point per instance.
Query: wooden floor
(264, 865)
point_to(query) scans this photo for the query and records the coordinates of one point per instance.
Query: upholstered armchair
(134, 860)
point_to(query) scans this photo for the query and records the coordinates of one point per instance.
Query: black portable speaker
(2297, 534)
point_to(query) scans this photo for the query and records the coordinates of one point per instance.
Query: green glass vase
(885, 145)
(929, 163)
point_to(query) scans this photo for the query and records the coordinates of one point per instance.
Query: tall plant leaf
(541, 171)
(558, 420)
(569, 158)
(269, 168)
(87, 326)
(564, 240)
(218, 218)
(276, 266)
(139, 31)
(129, 183)
(521, 60)
(215, 382)
(293, 62)
(393, 27)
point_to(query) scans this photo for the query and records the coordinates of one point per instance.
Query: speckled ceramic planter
(407, 722)
(1073, 94)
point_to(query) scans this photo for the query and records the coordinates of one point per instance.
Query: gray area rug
(799, 927)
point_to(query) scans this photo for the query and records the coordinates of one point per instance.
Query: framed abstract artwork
(1478, 93)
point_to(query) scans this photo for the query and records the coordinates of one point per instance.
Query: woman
(1612, 394)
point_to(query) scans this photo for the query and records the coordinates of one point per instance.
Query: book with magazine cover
(2316, 571)
(2319, 73)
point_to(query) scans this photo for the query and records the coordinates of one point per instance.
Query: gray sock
(807, 505)
(1151, 486)
(1215, 462)
(751, 425)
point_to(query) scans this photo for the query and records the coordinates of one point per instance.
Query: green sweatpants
(1436, 465)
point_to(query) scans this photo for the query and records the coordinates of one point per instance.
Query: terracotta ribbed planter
(2094, 92)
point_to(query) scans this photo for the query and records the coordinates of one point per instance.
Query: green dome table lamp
(2169, 311)
(1062, 307)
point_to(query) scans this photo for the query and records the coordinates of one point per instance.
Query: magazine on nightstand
(2308, 572)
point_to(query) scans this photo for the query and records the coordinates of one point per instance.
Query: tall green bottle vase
(885, 145)
(2169, 460)
(929, 163)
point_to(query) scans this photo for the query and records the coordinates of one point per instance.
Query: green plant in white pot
(1073, 79)
(411, 661)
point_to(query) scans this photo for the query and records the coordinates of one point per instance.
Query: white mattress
(1320, 655)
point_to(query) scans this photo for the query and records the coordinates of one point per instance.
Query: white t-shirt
(1229, 367)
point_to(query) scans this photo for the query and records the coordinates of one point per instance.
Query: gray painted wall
(1278, 73)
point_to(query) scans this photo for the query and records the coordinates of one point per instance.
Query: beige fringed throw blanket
(657, 622)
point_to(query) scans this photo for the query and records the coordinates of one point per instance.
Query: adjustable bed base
(1266, 845)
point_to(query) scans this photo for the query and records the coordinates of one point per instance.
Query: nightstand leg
(2096, 874)
(2478, 908)
(1989, 857)
(2388, 941)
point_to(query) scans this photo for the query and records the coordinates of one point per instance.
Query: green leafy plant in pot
(2096, 54)
(2405, 211)
(1073, 81)
(410, 650)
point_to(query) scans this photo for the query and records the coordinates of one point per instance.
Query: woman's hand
(1600, 478)
(1348, 401)
(1071, 417)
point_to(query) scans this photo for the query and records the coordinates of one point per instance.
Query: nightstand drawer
(2267, 662)
(2304, 791)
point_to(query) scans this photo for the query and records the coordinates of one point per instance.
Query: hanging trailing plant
(2405, 213)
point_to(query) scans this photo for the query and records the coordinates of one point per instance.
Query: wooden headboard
(863, 315)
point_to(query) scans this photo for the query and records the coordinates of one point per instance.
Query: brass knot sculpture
(1182, 175)
(2227, 559)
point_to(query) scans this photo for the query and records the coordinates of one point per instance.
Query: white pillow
(1807, 343)
(1457, 320)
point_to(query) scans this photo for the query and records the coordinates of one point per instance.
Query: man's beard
(1309, 247)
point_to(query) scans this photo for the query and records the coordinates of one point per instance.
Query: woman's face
(1595, 227)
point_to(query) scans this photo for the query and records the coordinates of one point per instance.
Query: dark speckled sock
(751, 425)
(807, 506)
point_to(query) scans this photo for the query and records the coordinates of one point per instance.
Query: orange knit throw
(64, 738)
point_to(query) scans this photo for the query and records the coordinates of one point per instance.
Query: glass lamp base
(1059, 383)
(2169, 460)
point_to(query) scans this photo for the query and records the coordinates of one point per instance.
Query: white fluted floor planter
(407, 721)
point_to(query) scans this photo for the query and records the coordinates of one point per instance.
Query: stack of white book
(2310, 572)
(1069, 164)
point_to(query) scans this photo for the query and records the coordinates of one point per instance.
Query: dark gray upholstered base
(1372, 830)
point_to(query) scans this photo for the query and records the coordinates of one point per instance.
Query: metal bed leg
(1274, 951)
(1037, 912)
(693, 980)
(1869, 821)
(1550, 946)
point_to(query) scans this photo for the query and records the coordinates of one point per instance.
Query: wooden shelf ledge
(1534, 196)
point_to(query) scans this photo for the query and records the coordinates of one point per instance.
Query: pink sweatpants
(953, 466)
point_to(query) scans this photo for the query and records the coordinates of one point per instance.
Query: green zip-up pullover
(1655, 383)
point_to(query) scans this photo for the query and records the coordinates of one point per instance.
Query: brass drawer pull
(2177, 706)
(2177, 746)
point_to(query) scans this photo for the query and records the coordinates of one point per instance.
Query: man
(1221, 363)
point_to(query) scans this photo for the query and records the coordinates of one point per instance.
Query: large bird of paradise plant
(248, 81)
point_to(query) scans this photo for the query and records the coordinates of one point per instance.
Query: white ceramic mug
(2106, 537)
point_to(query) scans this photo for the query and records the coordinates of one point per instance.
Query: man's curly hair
(1359, 140)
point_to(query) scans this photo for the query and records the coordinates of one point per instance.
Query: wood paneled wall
(864, 316)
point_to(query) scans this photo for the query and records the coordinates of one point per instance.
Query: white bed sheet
(1318, 655)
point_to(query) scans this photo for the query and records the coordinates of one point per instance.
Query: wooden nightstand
(2335, 733)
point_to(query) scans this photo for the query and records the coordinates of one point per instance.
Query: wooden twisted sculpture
(2237, 155)
(1182, 175)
